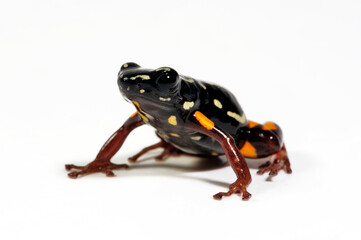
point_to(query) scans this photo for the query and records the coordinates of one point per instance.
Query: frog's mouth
(126, 98)
(151, 97)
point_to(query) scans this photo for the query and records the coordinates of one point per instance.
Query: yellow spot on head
(202, 85)
(163, 68)
(144, 77)
(188, 105)
(141, 90)
(190, 80)
(125, 65)
(248, 150)
(217, 103)
(241, 119)
(172, 120)
(214, 154)
(174, 134)
(204, 121)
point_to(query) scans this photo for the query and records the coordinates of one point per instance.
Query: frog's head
(135, 82)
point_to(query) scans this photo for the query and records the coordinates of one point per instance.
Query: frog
(191, 117)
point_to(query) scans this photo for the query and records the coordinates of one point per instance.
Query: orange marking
(248, 150)
(269, 126)
(252, 124)
(204, 121)
(133, 114)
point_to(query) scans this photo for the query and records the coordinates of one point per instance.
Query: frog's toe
(74, 174)
(277, 165)
(69, 167)
(96, 166)
(279, 161)
(238, 187)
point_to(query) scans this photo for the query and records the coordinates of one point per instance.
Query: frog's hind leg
(168, 151)
(265, 141)
(278, 162)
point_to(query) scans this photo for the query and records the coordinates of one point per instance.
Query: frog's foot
(96, 166)
(168, 150)
(236, 187)
(279, 161)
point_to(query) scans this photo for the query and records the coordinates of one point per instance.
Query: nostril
(139, 85)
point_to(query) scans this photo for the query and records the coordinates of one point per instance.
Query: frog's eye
(129, 65)
(166, 79)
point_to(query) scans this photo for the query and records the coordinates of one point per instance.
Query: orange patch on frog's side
(269, 126)
(252, 124)
(248, 150)
(204, 121)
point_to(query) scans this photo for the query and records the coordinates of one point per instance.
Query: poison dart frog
(191, 117)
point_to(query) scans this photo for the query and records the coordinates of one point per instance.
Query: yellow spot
(133, 115)
(269, 126)
(248, 150)
(143, 117)
(136, 104)
(202, 85)
(125, 65)
(252, 124)
(204, 121)
(141, 90)
(217, 103)
(190, 80)
(174, 134)
(188, 105)
(172, 120)
(144, 77)
(162, 68)
(214, 154)
(196, 138)
(148, 115)
(141, 112)
(241, 119)
(165, 99)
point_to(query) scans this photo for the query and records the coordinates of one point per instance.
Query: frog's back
(219, 105)
(222, 107)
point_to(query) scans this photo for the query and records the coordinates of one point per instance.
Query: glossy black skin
(175, 90)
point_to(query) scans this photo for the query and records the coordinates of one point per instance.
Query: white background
(294, 62)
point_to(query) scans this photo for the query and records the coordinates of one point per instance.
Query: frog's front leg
(202, 124)
(102, 162)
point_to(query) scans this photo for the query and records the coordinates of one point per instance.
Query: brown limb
(110, 148)
(280, 162)
(204, 125)
(168, 151)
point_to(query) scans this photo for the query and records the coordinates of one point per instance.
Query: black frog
(191, 117)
